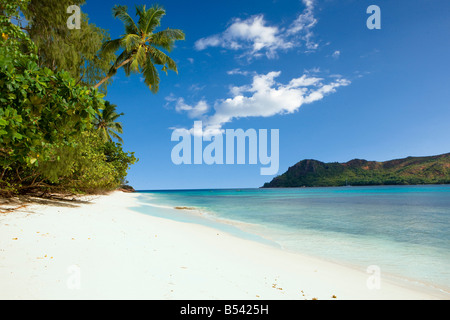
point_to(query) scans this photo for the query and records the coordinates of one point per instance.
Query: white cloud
(193, 111)
(252, 35)
(196, 87)
(303, 25)
(170, 98)
(336, 54)
(256, 37)
(305, 21)
(312, 70)
(239, 72)
(212, 41)
(265, 97)
(303, 81)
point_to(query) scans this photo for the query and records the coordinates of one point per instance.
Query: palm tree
(106, 125)
(141, 46)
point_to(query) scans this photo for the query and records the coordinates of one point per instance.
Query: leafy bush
(47, 139)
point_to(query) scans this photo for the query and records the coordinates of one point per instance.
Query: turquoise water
(405, 230)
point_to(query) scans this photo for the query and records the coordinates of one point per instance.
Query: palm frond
(130, 42)
(116, 126)
(106, 124)
(141, 56)
(139, 59)
(161, 58)
(134, 66)
(110, 46)
(125, 55)
(151, 76)
(128, 70)
(140, 10)
(121, 12)
(150, 19)
(115, 135)
(166, 38)
(115, 116)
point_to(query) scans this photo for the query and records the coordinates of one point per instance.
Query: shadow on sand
(21, 202)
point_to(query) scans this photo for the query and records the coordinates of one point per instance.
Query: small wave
(155, 205)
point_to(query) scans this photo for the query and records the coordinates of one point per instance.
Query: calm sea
(404, 230)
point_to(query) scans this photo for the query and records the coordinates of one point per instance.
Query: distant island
(407, 171)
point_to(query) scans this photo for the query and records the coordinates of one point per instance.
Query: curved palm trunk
(101, 82)
(111, 74)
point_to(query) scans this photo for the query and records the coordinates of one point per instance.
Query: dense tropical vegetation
(57, 133)
(60, 48)
(407, 171)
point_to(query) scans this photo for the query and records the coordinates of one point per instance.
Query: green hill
(411, 170)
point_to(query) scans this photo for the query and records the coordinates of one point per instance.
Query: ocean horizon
(402, 230)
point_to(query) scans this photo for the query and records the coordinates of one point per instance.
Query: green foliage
(119, 159)
(141, 45)
(38, 106)
(88, 164)
(10, 8)
(14, 43)
(59, 48)
(47, 136)
(408, 171)
(106, 124)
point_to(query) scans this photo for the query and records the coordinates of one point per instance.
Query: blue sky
(310, 68)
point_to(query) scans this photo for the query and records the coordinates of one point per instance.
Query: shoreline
(105, 249)
(253, 232)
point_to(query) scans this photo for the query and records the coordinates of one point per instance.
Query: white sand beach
(105, 250)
